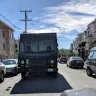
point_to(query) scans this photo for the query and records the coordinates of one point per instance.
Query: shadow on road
(41, 85)
(94, 76)
(78, 68)
(10, 75)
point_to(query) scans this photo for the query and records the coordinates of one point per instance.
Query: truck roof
(30, 36)
(35, 33)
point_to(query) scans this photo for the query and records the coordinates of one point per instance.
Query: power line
(8, 14)
(18, 22)
(1, 1)
(10, 22)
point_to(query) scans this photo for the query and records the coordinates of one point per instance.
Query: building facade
(6, 41)
(86, 40)
(81, 45)
(75, 46)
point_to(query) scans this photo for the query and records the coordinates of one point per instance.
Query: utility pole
(26, 18)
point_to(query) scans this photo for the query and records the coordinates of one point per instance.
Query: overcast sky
(65, 17)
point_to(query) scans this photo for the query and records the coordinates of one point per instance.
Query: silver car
(11, 65)
(2, 72)
(80, 92)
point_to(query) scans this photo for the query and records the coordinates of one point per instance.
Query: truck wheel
(89, 72)
(82, 67)
(23, 76)
(1, 77)
(54, 74)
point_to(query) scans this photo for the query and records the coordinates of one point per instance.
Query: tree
(63, 52)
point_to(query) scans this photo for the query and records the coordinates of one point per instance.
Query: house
(6, 41)
(81, 45)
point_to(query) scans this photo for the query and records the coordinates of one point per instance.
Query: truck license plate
(50, 70)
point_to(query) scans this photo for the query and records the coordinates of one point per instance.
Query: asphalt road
(68, 78)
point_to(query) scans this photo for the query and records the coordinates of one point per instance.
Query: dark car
(63, 60)
(91, 62)
(75, 61)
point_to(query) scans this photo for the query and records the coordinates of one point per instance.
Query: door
(93, 62)
(90, 60)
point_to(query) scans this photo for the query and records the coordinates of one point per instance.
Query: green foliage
(64, 52)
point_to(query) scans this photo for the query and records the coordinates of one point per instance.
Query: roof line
(7, 25)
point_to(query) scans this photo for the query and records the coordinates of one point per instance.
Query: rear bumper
(77, 64)
(12, 72)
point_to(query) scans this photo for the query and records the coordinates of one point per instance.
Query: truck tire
(23, 76)
(89, 71)
(1, 77)
(82, 67)
(54, 74)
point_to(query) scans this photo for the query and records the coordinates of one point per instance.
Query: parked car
(11, 65)
(80, 92)
(63, 60)
(75, 61)
(2, 72)
(91, 62)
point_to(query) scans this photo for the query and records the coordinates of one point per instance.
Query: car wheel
(70, 65)
(23, 76)
(89, 72)
(1, 77)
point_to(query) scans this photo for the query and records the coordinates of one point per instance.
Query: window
(3, 33)
(11, 35)
(16, 46)
(90, 55)
(94, 55)
(3, 46)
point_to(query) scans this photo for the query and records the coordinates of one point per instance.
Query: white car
(11, 65)
(2, 72)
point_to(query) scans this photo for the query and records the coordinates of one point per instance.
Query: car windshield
(38, 46)
(9, 62)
